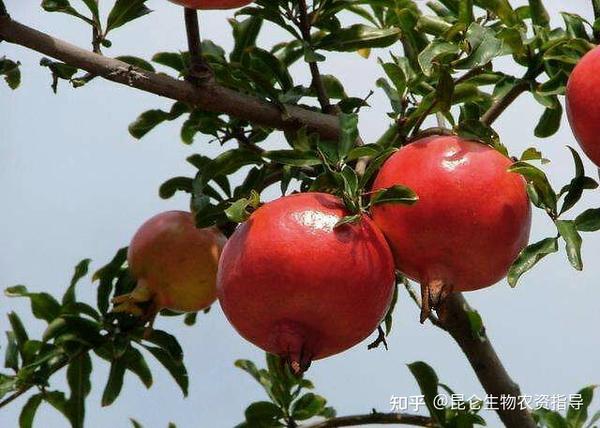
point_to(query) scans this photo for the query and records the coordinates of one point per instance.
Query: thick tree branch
(374, 418)
(499, 106)
(483, 358)
(209, 97)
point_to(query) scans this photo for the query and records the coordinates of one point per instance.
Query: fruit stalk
(199, 70)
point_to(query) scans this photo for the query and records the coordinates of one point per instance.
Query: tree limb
(374, 418)
(499, 106)
(209, 97)
(483, 358)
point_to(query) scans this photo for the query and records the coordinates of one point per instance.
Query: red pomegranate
(174, 263)
(470, 223)
(297, 286)
(583, 109)
(212, 4)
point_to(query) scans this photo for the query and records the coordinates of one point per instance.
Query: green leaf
(10, 70)
(150, 119)
(11, 355)
(125, 11)
(484, 47)
(227, 163)
(348, 133)
(397, 194)
(437, 52)
(63, 6)
(81, 270)
(115, 381)
(262, 411)
(428, 384)
(78, 377)
(18, 329)
(529, 257)
(136, 363)
(577, 413)
(43, 305)
(293, 157)
(588, 221)
(388, 319)
(174, 367)
(538, 179)
(549, 122)
(29, 410)
(539, 14)
(57, 400)
(577, 185)
(135, 423)
(106, 275)
(166, 341)
(244, 34)
(172, 185)
(476, 323)
(349, 219)
(359, 36)
(569, 233)
(308, 406)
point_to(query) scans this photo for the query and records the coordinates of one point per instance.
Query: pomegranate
(583, 110)
(174, 263)
(295, 285)
(212, 4)
(470, 223)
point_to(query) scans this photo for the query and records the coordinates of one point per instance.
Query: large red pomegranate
(297, 286)
(174, 263)
(470, 223)
(212, 4)
(583, 109)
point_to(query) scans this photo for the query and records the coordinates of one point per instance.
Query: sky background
(75, 184)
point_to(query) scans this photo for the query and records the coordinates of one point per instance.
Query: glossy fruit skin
(583, 108)
(176, 261)
(472, 218)
(212, 4)
(295, 286)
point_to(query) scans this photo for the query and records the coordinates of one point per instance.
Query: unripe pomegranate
(583, 109)
(212, 4)
(174, 263)
(470, 223)
(295, 285)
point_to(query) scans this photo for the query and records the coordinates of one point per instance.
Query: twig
(499, 106)
(379, 340)
(211, 97)
(374, 418)
(429, 132)
(3, 11)
(317, 81)
(199, 71)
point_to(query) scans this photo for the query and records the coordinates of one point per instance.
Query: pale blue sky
(76, 185)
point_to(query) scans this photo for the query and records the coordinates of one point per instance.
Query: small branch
(3, 11)
(379, 340)
(210, 97)
(502, 104)
(483, 358)
(199, 71)
(317, 81)
(96, 40)
(374, 418)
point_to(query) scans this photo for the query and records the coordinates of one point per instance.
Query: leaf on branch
(358, 36)
(175, 367)
(43, 305)
(125, 11)
(568, 231)
(397, 194)
(529, 257)
(11, 72)
(148, 120)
